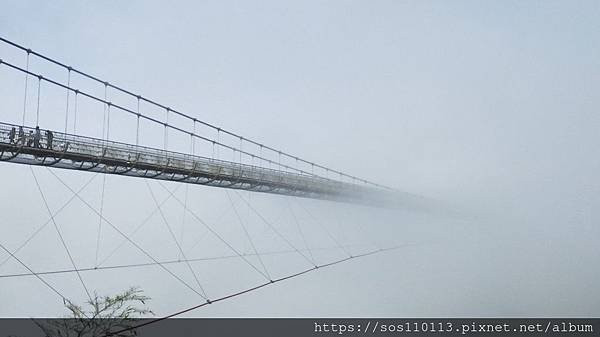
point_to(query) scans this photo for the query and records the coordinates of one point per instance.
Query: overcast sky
(491, 107)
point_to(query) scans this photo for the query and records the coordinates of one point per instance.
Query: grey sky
(488, 106)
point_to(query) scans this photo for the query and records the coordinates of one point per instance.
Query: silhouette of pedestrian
(36, 137)
(21, 136)
(12, 134)
(49, 138)
(30, 138)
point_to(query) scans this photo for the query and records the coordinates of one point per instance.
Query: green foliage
(105, 315)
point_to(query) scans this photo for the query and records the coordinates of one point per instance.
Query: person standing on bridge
(11, 135)
(21, 136)
(29, 139)
(49, 139)
(37, 137)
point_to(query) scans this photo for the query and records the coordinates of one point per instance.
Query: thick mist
(490, 110)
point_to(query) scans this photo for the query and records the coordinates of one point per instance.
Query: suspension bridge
(255, 167)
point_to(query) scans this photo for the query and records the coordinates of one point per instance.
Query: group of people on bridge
(32, 139)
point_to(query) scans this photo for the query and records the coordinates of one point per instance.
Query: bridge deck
(96, 155)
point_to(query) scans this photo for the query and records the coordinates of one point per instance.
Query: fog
(490, 110)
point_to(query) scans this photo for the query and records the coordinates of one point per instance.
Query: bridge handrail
(123, 151)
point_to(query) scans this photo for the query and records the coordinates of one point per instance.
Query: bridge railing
(107, 151)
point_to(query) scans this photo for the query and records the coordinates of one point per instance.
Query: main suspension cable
(96, 79)
(154, 120)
